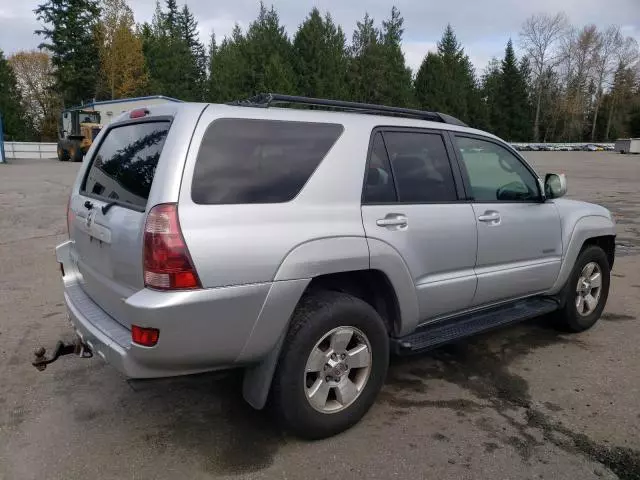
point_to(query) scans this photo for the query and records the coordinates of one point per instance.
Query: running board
(445, 331)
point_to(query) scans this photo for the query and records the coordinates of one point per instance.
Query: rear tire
(587, 290)
(348, 341)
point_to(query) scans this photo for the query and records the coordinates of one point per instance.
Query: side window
(378, 185)
(495, 174)
(258, 161)
(421, 167)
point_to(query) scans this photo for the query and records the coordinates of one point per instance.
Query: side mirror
(555, 185)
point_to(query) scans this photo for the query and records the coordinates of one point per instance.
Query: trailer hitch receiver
(77, 347)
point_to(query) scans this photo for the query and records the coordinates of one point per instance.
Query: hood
(578, 208)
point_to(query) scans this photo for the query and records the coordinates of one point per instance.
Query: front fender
(585, 228)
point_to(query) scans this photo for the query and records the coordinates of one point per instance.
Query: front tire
(63, 155)
(333, 364)
(76, 153)
(587, 290)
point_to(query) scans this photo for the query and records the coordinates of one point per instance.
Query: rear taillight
(147, 337)
(167, 264)
(70, 216)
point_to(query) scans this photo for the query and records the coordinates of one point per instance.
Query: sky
(483, 26)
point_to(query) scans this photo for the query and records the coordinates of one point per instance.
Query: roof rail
(266, 100)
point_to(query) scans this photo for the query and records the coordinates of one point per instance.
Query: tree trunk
(536, 120)
(610, 119)
(599, 95)
(595, 120)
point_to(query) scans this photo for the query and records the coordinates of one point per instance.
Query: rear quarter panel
(248, 243)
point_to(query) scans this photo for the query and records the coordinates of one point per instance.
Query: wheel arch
(588, 230)
(371, 286)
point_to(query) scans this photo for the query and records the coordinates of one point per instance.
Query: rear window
(125, 163)
(258, 161)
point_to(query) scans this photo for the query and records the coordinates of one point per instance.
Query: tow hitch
(78, 348)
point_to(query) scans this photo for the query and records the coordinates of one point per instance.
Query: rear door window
(378, 185)
(125, 163)
(258, 161)
(421, 167)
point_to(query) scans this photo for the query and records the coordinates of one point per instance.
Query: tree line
(569, 83)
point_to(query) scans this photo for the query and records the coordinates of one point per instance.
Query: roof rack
(266, 100)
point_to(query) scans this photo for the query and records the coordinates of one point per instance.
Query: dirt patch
(553, 407)
(623, 461)
(440, 437)
(490, 447)
(482, 368)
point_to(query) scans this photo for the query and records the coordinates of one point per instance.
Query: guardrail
(30, 150)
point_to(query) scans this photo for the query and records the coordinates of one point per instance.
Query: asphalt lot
(525, 402)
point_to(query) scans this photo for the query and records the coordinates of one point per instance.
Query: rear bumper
(200, 330)
(106, 337)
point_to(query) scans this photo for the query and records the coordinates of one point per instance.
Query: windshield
(89, 117)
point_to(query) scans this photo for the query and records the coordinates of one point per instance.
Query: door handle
(490, 216)
(392, 220)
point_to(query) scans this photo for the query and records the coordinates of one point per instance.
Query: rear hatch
(109, 206)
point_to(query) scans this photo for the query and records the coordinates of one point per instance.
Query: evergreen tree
(172, 19)
(68, 31)
(268, 56)
(365, 73)
(398, 89)
(174, 56)
(512, 101)
(195, 73)
(446, 82)
(212, 91)
(490, 92)
(320, 59)
(229, 70)
(15, 125)
(377, 72)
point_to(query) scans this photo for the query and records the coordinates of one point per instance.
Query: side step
(436, 334)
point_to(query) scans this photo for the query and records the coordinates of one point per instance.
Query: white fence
(29, 150)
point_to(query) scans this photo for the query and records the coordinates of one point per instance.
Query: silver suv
(307, 245)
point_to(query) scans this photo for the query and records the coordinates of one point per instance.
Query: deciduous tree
(35, 81)
(539, 37)
(122, 66)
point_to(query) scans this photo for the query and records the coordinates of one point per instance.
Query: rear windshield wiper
(107, 207)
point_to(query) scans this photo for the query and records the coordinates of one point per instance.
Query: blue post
(3, 159)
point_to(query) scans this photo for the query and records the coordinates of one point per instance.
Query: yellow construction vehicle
(77, 130)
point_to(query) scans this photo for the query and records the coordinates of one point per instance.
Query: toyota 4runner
(307, 245)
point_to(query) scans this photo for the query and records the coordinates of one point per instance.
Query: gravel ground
(523, 402)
